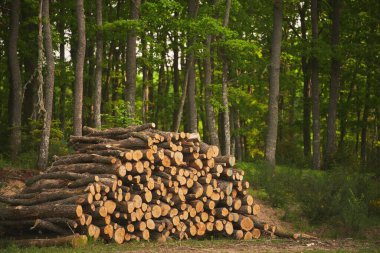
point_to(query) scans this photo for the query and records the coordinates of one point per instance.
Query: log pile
(136, 183)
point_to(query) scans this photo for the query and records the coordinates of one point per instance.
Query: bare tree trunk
(274, 85)
(226, 113)
(238, 152)
(130, 96)
(193, 6)
(315, 89)
(49, 88)
(210, 114)
(99, 62)
(30, 65)
(62, 99)
(16, 86)
(145, 95)
(334, 85)
(363, 143)
(306, 88)
(81, 51)
(175, 72)
(345, 111)
(192, 105)
(161, 87)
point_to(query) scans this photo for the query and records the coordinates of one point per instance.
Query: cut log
(73, 240)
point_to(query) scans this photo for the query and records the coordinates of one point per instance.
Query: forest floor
(12, 181)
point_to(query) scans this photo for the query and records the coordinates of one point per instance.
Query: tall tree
(193, 6)
(226, 111)
(62, 99)
(306, 84)
(79, 65)
(274, 84)
(315, 87)
(334, 84)
(130, 93)
(49, 87)
(15, 76)
(99, 62)
(210, 113)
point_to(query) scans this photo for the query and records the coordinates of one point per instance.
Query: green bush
(341, 197)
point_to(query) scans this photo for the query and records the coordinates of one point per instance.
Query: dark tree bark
(190, 68)
(345, 109)
(89, 78)
(15, 76)
(80, 55)
(161, 86)
(193, 7)
(49, 88)
(30, 64)
(62, 99)
(145, 95)
(334, 85)
(226, 111)
(130, 93)
(274, 84)
(99, 62)
(176, 77)
(210, 114)
(306, 88)
(315, 88)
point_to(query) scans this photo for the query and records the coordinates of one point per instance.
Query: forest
(279, 83)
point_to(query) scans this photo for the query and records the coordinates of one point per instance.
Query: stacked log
(136, 183)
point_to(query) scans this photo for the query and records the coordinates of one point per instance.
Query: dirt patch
(273, 216)
(261, 245)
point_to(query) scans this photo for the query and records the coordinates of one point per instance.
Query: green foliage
(342, 198)
(119, 117)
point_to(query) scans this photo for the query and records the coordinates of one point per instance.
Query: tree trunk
(306, 89)
(274, 84)
(363, 143)
(315, 88)
(49, 87)
(334, 85)
(226, 115)
(145, 95)
(193, 7)
(345, 109)
(80, 55)
(89, 78)
(30, 64)
(62, 99)
(15, 76)
(175, 72)
(130, 96)
(161, 87)
(192, 14)
(210, 114)
(99, 62)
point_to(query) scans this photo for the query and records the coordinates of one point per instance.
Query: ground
(11, 182)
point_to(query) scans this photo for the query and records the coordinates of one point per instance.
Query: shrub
(342, 197)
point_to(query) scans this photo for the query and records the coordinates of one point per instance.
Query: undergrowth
(344, 199)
